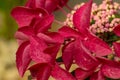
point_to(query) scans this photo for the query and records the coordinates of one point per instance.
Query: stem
(63, 11)
(68, 7)
(58, 22)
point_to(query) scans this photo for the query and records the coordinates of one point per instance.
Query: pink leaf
(111, 71)
(53, 50)
(60, 74)
(110, 68)
(67, 54)
(83, 57)
(42, 25)
(117, 48)
(23, 57)
(37, 47)
(82, 74)
(81, 18)
(117, 30)
(40, 71)
(97, 46)
(49, 5)
(24, 16)
(68, 32)
(97, 76)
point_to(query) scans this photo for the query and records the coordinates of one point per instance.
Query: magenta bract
(117, 30)
(48, 5)
(24, 16)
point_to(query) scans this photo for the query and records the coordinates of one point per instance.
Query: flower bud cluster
(104, 17)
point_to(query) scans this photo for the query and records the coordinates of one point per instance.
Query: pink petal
(67, 54)
(56, 36)
(23, 57)
(62, 2)
(111, 71)
(97, 46)
(28, 31)
(23, 34)
(21, 37)
(24, 16)
(53, 50)
(117, 48)
(81, 18)
(46, 38)
(44, 24)
(83, 57)
(49, 5)
(110, 68)
(40, 71)
(60, 74)
(97, 76)
(37, 47)
(81, 74)
(117, 30)
(68, 32)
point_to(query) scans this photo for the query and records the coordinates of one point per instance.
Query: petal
(83, 57)
(49, 5)
(117, 30)
(21, 37)
(81, 74)
(97, 76)
(23, 57)
(110, 68)
(32, 3)
(24, 16)
(111, 71)
(62, 2)
(97, 46)
(67, 54)
(53, 50)
(44, 24)
(68, 32)
(25, 31)
(23, 34)
(46, 38)
(117, 48)
(37, 47)
(40, 71)
(81, 18)
(60, 74)
(56, 36)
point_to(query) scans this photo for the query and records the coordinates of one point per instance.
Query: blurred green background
(8, 45)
